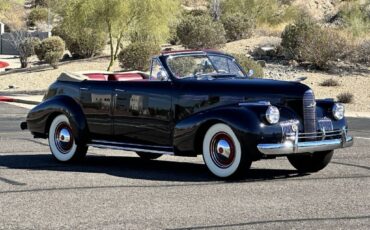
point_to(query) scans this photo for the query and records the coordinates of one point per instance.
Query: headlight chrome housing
(338, 111)
(272, 114)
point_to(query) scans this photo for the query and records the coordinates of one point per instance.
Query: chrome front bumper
(293, 146)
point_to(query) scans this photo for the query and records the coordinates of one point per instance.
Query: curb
(15, 100)
(47, 66)
(6, 99)
(26, 92)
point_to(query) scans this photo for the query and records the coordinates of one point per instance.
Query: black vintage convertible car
(191, 103)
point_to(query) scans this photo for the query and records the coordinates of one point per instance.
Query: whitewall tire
(222, 152)
(62, 142)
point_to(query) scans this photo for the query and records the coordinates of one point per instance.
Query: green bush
(137, 55)
(38, 14)
(27, 49)
(238, 26)
(200, 32)
(249, 64)
(295, 34)
(51, 50)
(42, 3)
(39, 51)
(83, 44)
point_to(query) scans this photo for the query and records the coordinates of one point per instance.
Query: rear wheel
(311, 163)
(222, 152)
(148, 156)
(62, 142)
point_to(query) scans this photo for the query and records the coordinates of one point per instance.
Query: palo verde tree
(13, 14)
(134, 21)
(83, 34)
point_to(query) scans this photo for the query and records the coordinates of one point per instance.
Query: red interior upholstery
(126, 76)
(97, 76)
(114, 77)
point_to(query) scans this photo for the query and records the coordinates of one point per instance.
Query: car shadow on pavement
(137, 168)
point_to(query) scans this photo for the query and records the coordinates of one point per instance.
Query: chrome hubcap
(222, 150)
(63, 138)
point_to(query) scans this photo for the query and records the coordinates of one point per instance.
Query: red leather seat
(125, 77)
(97, 76)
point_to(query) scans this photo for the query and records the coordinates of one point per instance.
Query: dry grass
(345, 98)
(329, 83)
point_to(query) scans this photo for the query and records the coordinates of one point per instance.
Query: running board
(132, 147)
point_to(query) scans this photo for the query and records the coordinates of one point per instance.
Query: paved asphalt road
(118, 190)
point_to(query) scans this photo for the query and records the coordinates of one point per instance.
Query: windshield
(195, 66)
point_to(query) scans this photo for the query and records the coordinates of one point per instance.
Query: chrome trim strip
(305, 147)
(129, 144)
(130, 149)
(255, 103)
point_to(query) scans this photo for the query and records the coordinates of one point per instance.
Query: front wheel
(311, 163)
(222, 152)
(62, 142)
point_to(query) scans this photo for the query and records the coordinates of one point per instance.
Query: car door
(143, 112)
(96, 99)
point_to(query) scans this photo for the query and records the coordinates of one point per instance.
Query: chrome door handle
(120, 90)
(82, 88)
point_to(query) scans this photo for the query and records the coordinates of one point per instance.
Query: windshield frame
(207, 55)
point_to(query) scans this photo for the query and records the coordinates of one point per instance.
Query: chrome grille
(309, 112)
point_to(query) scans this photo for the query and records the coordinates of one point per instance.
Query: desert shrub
(39, 51)
(329, 83)
(27, 49)
(270, 12)
(173, 39)
(52, 50)
(305, 40)
(345, 98)
(42, 3)
(196, 12)
(356, 17)
(136, 56)
(200, 32)
(83, 44)
(362, 53)
(38, 14)
(322, 46)
(294, 35)
(238, 26)
(249, 64)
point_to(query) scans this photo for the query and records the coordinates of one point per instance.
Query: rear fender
(40, 117)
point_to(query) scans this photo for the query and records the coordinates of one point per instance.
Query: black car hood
(250, 89)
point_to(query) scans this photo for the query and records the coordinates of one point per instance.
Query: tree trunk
(111, 47)
(117, 46)
(24, 62)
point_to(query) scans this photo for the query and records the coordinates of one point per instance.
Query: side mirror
(250, 73)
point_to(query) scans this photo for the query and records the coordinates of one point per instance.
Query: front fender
(40, 117)
(246, 122)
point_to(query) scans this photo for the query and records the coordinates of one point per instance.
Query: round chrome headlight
(272, 114)
(338, 111)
